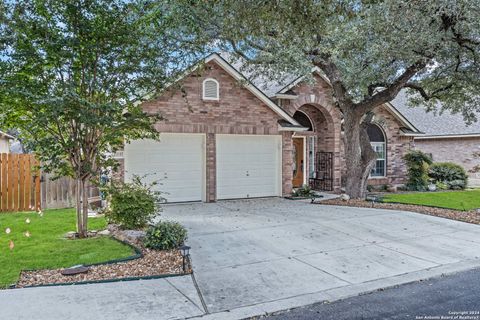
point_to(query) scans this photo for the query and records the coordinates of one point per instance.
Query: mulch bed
(465, 216)
(153, 263)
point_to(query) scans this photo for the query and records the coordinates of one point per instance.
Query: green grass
(46, 248)
(457, 200)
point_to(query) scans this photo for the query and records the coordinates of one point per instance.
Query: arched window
(377, 140)
(211, 89)
(303, 120)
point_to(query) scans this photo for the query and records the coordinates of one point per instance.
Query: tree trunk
(84, 214)
(81, 228)
(359, 155)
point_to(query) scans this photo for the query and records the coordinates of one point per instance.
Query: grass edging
(138, 254)
(380, 200)
(414, 208)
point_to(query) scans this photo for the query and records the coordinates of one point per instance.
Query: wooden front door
(298, 161)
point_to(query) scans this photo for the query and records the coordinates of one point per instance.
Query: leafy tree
(72, 75)
(368, 50)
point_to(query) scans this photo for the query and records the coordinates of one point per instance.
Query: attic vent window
(210, 89)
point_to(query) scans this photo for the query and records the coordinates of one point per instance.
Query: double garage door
(247, 166)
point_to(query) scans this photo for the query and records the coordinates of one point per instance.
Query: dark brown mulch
(465, 216)
(153, 263)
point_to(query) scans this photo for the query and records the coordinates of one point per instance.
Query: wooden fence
(19, 183)
(61, 192)
(24, 188)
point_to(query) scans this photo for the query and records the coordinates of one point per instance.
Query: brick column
(211, 168)
(287, 163)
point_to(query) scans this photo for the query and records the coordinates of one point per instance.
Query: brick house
(446, 137)
(225, 137)
(5, 142)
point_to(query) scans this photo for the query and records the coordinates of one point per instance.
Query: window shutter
(210, 90)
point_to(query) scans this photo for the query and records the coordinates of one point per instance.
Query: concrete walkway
(252, 257)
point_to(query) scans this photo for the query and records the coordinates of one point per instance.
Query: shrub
(441, 185)
(449, 173)
(165, 235)
(417, 164)
(132, 204)
(303, 191)
(457, 184)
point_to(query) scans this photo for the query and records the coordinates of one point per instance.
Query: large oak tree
(368, 50)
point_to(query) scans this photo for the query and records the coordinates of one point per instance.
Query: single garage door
(248, 166)
(176, 161)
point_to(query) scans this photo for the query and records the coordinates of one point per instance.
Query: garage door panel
(176, 162)
(248, 166)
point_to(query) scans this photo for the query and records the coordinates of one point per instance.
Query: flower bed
(153, 263)
(147, 263)
(465, 216)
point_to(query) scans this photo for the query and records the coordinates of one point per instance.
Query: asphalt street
(450, 297)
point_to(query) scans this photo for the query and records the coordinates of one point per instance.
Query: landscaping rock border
(466, 216)
(145, 264)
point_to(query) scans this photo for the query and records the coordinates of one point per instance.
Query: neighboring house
(224, 137)
(447, 138)
(5, 142)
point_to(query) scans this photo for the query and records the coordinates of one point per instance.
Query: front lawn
(457, 200)
(46, 248)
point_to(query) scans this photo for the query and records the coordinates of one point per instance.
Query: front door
(298, 161)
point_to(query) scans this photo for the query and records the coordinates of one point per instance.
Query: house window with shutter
(210, 89)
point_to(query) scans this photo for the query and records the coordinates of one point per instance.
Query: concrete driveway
(257, 256)
(253, 257)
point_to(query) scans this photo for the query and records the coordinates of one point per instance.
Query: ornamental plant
(449, 173)
(165, 235)
(133, 204)
(417, 165)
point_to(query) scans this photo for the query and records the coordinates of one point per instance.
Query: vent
(210, 89)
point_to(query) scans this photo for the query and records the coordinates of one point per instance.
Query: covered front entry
(248, 166)
(316, 151)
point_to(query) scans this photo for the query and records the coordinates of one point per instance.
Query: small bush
(303, 191)
(457, 184)
(441, 185)
(132, 204)
(165, 235)
(449, 173)
(417, 164)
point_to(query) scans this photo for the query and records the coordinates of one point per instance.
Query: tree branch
(424, 94)
(331, 70)
(390, 91)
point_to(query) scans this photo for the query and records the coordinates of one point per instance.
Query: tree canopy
(74, 72)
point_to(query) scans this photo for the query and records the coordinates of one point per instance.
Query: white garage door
(248, 166)
(177, 161)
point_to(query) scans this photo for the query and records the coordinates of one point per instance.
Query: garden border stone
(138, 254)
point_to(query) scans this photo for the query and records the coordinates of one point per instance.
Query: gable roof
(435, 125)
(230, 69)
(276, 88)
(6, 135)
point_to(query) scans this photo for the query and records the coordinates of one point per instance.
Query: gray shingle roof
(434, 124)
(268, 86)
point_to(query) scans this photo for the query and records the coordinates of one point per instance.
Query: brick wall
(238, 111)
(316, 102)
(457, 150)
(397, 147)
